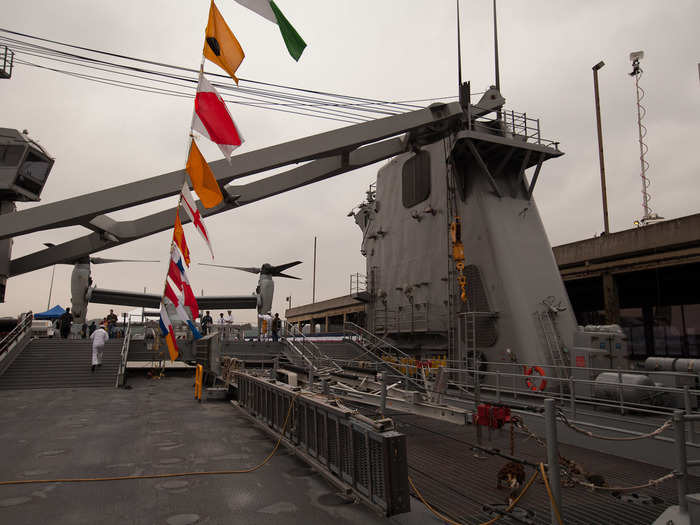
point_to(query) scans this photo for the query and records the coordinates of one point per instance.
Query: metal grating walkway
(444, 469)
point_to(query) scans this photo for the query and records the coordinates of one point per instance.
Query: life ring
(532, 384)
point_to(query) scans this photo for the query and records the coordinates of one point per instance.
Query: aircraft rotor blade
(277, 270)
(250, 269)
(287, 276)
(104, 260)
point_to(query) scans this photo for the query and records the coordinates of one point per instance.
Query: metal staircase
(62, 363)
(306, 353)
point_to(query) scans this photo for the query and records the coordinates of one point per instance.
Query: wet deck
(156, 427)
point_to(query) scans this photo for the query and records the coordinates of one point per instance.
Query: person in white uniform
(99, 337)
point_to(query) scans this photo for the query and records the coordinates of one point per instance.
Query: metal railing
(124, 356)
(516, 125)
(358, 283)
(357, 454)
(509, 380)
(307, 350)
(17, 336)
(8, 59)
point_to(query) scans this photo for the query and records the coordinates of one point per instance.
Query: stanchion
(682, 470)
(550, 419)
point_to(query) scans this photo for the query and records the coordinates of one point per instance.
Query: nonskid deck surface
(444, 469)
(156, 427)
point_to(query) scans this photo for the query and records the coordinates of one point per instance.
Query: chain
(588, 433)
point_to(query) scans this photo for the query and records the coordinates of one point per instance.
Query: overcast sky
(103, 136)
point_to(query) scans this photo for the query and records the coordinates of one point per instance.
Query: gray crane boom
(325, 155)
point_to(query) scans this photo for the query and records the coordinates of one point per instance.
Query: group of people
(65, 322)
(207, 321)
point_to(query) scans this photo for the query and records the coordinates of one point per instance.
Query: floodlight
(598, 65)
(636, 55)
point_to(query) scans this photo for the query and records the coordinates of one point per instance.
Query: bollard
(550, 421)
(383, 405)
(682, 468)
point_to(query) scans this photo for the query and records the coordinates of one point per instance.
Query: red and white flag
(212, 119)
(190, 206)
(179, 276)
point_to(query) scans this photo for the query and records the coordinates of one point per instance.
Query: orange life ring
(530, 383)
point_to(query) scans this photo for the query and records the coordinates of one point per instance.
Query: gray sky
(102, 136)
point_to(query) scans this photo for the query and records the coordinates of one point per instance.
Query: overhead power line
(263, 95)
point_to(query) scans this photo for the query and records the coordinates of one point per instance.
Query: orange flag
(203, 180)
(179, 238)
(220, 44)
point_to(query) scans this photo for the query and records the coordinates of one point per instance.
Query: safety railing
(307, 350)
(358, 283)
(510, 381)
(17, 336)
(124, 355)
(355, 453)
(8, 59)
(515, 125)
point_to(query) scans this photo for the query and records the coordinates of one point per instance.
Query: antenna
(495, 46)
(459, 62)
(637, 71)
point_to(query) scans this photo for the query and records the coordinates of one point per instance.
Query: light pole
(598, 66)
(53, 272)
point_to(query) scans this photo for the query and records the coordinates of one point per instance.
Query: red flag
(212, 119)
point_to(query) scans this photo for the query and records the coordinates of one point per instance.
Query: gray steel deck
(156, 427)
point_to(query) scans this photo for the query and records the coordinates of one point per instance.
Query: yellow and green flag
(268, 9)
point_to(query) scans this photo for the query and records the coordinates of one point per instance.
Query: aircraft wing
(145, 300)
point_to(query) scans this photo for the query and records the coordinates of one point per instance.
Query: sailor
(99, 337)
(206, 323)
(64, 323)
(229, 318)
(276, 323)
(112, 322)
(221, 319)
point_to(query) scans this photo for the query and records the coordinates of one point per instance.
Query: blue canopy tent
(53, 313)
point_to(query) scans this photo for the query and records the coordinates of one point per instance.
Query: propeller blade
(277, 270)
(250, 269)
(287, 276)
(104, 260)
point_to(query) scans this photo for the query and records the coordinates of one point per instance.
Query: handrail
(307, 349)
(124, 355)
(16, 332)
(375, 341)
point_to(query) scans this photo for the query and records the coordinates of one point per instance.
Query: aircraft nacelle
(80, 282)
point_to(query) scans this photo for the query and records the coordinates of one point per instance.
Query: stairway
(62, 363)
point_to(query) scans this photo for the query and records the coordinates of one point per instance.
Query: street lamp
(53, 272)
(598, 66)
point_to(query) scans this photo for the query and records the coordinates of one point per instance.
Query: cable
(403, 104)
(451, 522)
(551, 496)
(171, 475)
